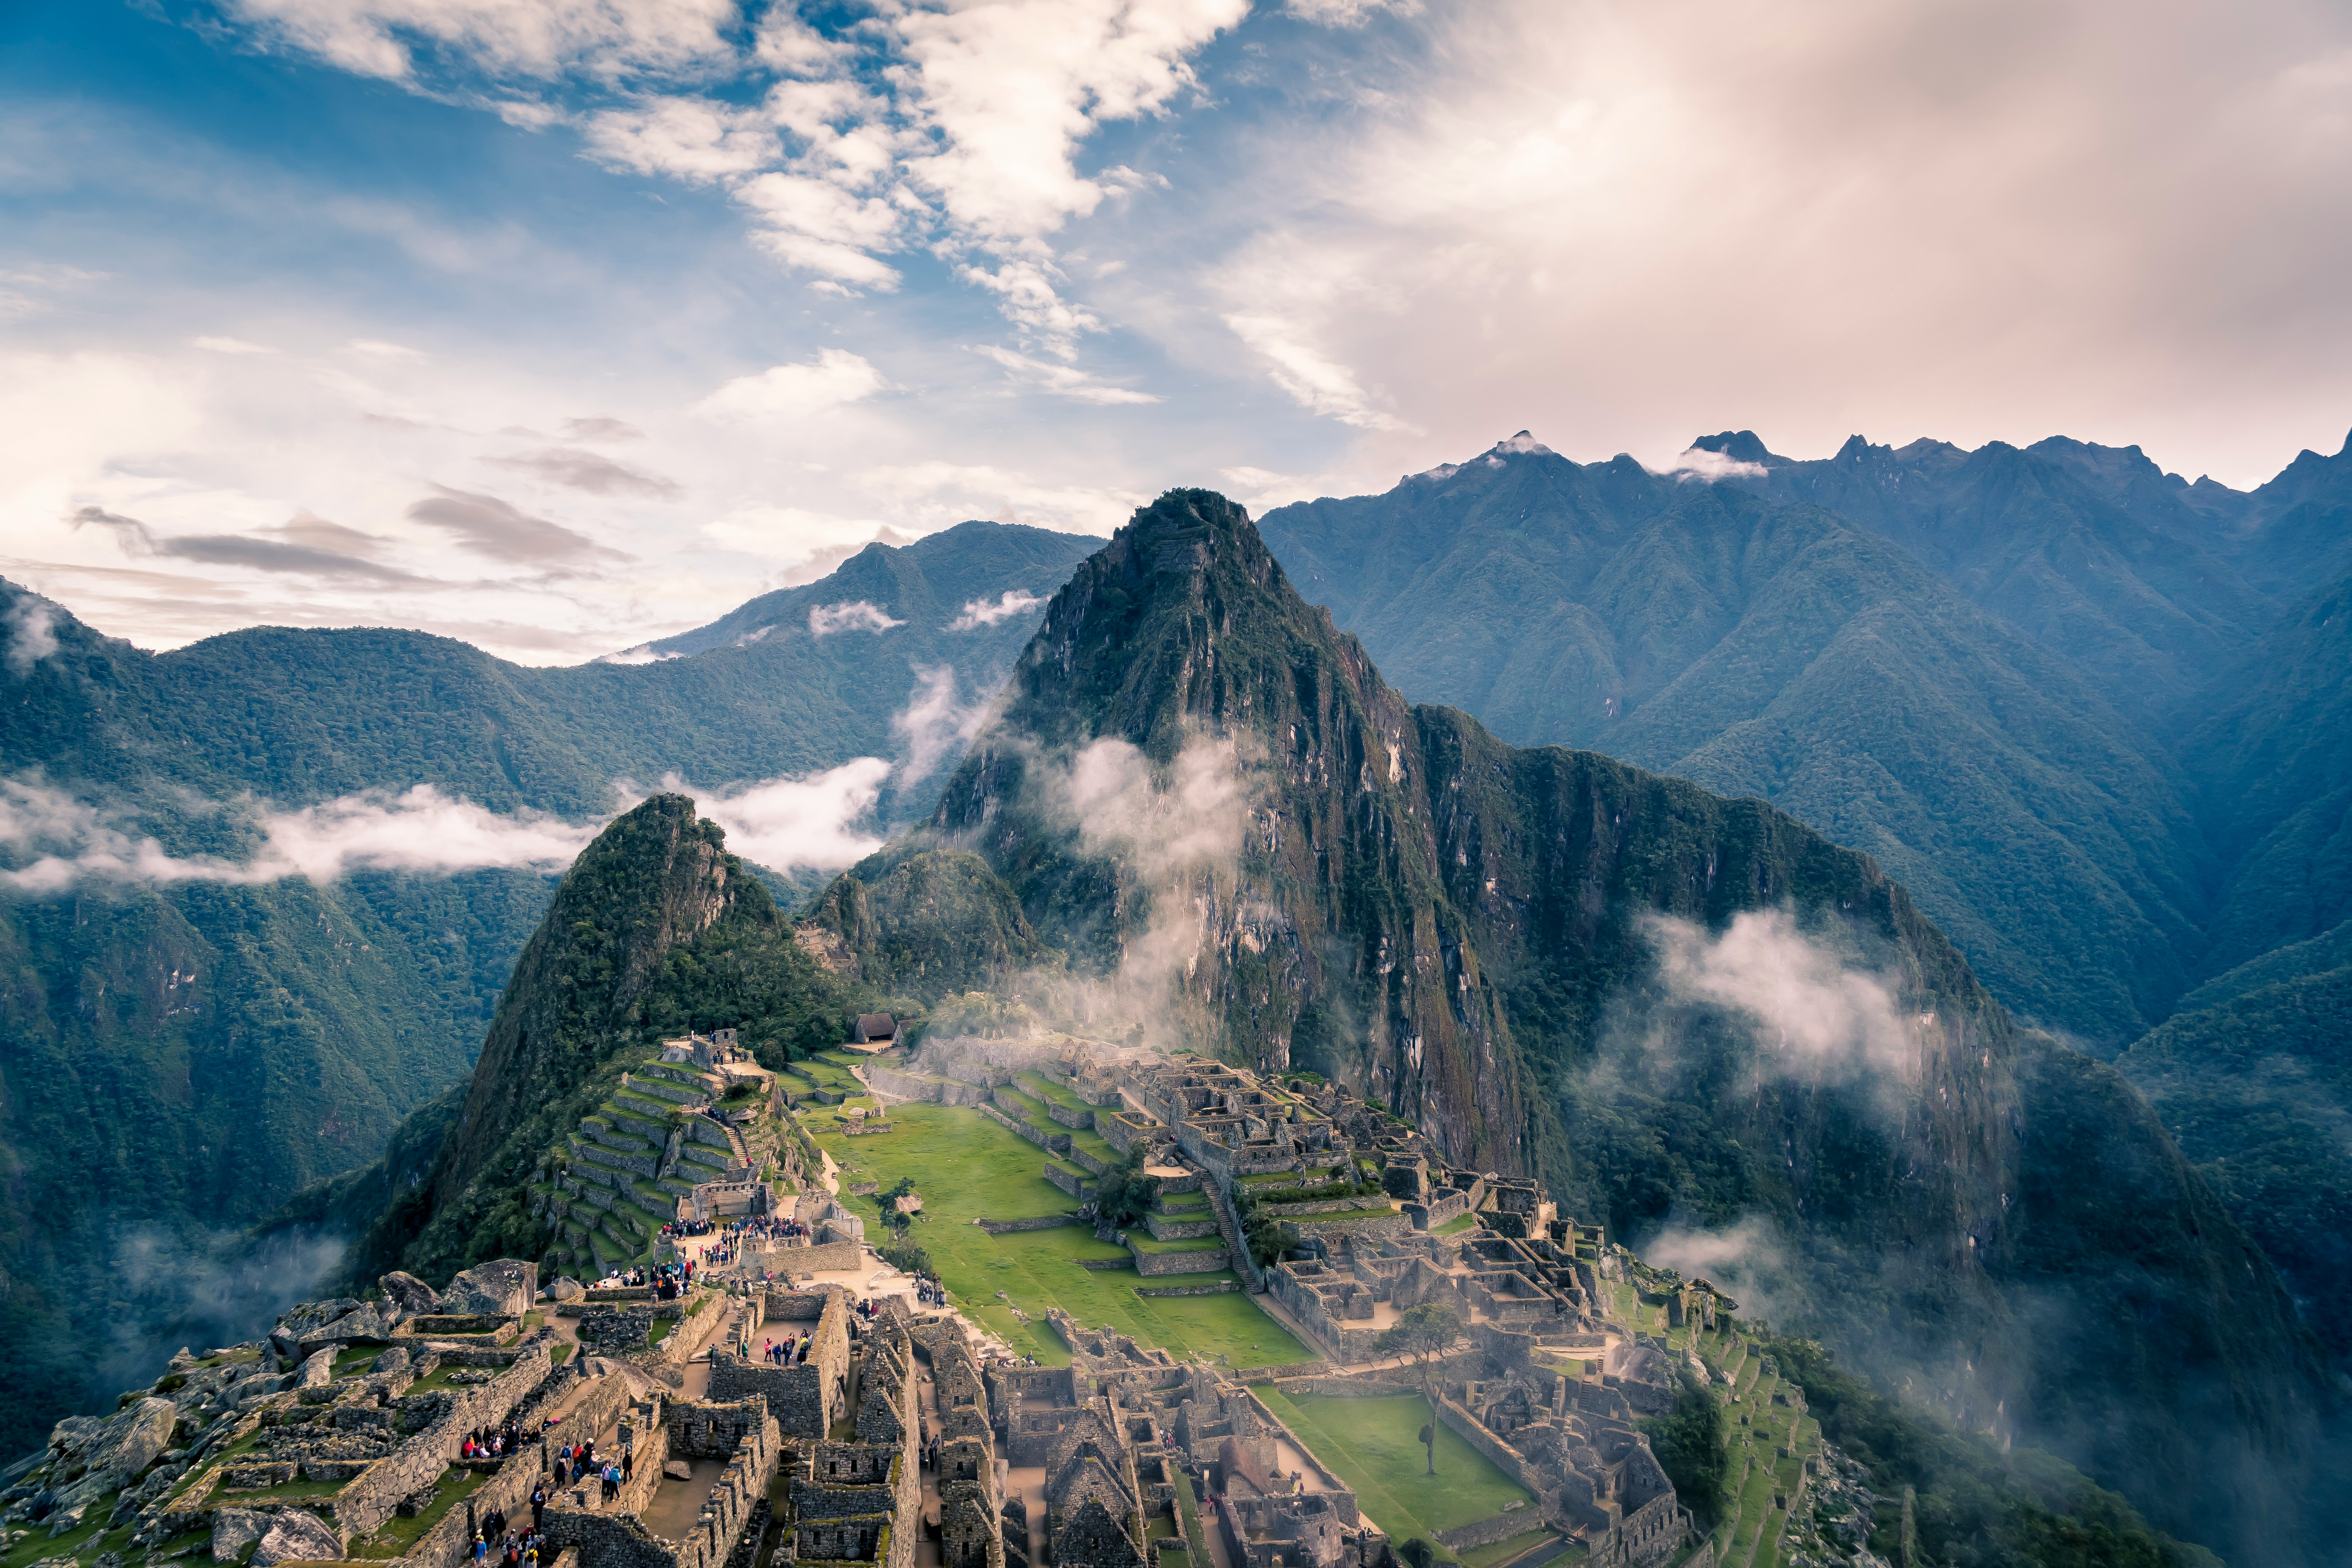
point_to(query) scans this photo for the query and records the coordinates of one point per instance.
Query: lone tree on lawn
(1423, 1334)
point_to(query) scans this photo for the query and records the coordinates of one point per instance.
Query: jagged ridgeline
(1467, 932)
(655, 930)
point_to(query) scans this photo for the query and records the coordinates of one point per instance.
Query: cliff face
(1694, 1017)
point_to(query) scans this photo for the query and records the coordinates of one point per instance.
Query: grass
(659, 1330)
(398, 1535)
(349, 1361)
(968, 1168)
(1373, 1446)
(1500, 1552)
(1037, 1086)
(1456, 1226)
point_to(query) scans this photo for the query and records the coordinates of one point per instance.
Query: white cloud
(1313, 381)
(531, 38)
(32, 635)
(1346, 13)
(933, 722)
(693, 139)
(812, 821)
(978, 613)
(419, 830)
(229, 346)
(376, 348)
(785, 392)
(1064, 381)
(856, 615)
(1705, 466)
(936, 493)
(1817, 1016)
(643, 653)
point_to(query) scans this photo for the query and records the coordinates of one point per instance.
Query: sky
(557, 325)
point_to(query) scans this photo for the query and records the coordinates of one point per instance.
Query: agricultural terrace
(967, 1167)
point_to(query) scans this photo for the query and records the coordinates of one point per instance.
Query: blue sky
(559, 324)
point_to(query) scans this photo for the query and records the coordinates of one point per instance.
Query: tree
(1124, 1193)
(1423, 1334)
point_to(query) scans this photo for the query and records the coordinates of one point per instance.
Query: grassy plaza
(1374, 1446)
(968, 1167)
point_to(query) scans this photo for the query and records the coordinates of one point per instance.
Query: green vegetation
(970, 1168)
(1374, 1446)
(1976, 1503)
(396, 1536)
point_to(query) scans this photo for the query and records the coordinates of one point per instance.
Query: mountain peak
(1740, 447)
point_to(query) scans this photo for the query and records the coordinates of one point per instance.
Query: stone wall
(1216, 1287)
(714, 1430)
(1037, 1222)
(804, 1400)
(372, 1497)
(1207, 1261)
(1487, 1531)
(1388, 1223)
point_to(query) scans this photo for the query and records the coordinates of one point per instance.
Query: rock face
(297, 1535)
(317, 1370)
(234, 1530)
(109, 1457)
(412, 1294)
(363, 1324)
(506, 1288)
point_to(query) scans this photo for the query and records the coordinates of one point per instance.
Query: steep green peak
(1173, 627)
(1741, 446)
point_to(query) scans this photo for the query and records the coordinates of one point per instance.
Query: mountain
(654, 930)
(1699, 1020)
(1780, 651)
(2297, 528)
(777, 686)
(2253, 1075)
(2272, 759)
(2140, 598)
(185, 1056)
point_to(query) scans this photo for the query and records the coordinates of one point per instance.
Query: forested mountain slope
(655, 930)
(303, 716)
(1779, 651)
(1206, 796)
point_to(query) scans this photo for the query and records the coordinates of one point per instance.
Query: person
(628, 1464)
(539, 1507)
(481, 1548)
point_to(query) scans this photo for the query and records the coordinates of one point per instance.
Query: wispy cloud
(856, 615)
(787, 391)
(577, 469)
(978, 613)
(497, 529)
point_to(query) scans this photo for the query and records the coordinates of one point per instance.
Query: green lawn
(968, 1167)
(1456, 1226)
(1503, 1551)
(1037, 1086)
(1371, 1442)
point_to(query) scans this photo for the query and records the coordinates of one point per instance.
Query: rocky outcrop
(297, 1535)
(97, 1457)
(504, 1288)
(413, 1295)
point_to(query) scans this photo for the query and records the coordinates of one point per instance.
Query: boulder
(312, 1316)
(72, 1436)
(363, 1324)
(678, 1470)
(411, 1294)
(316, 1371)
(504, 1288)
(297, 1535)
(567, 1290)
(394, 1359)
(119, 1454)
